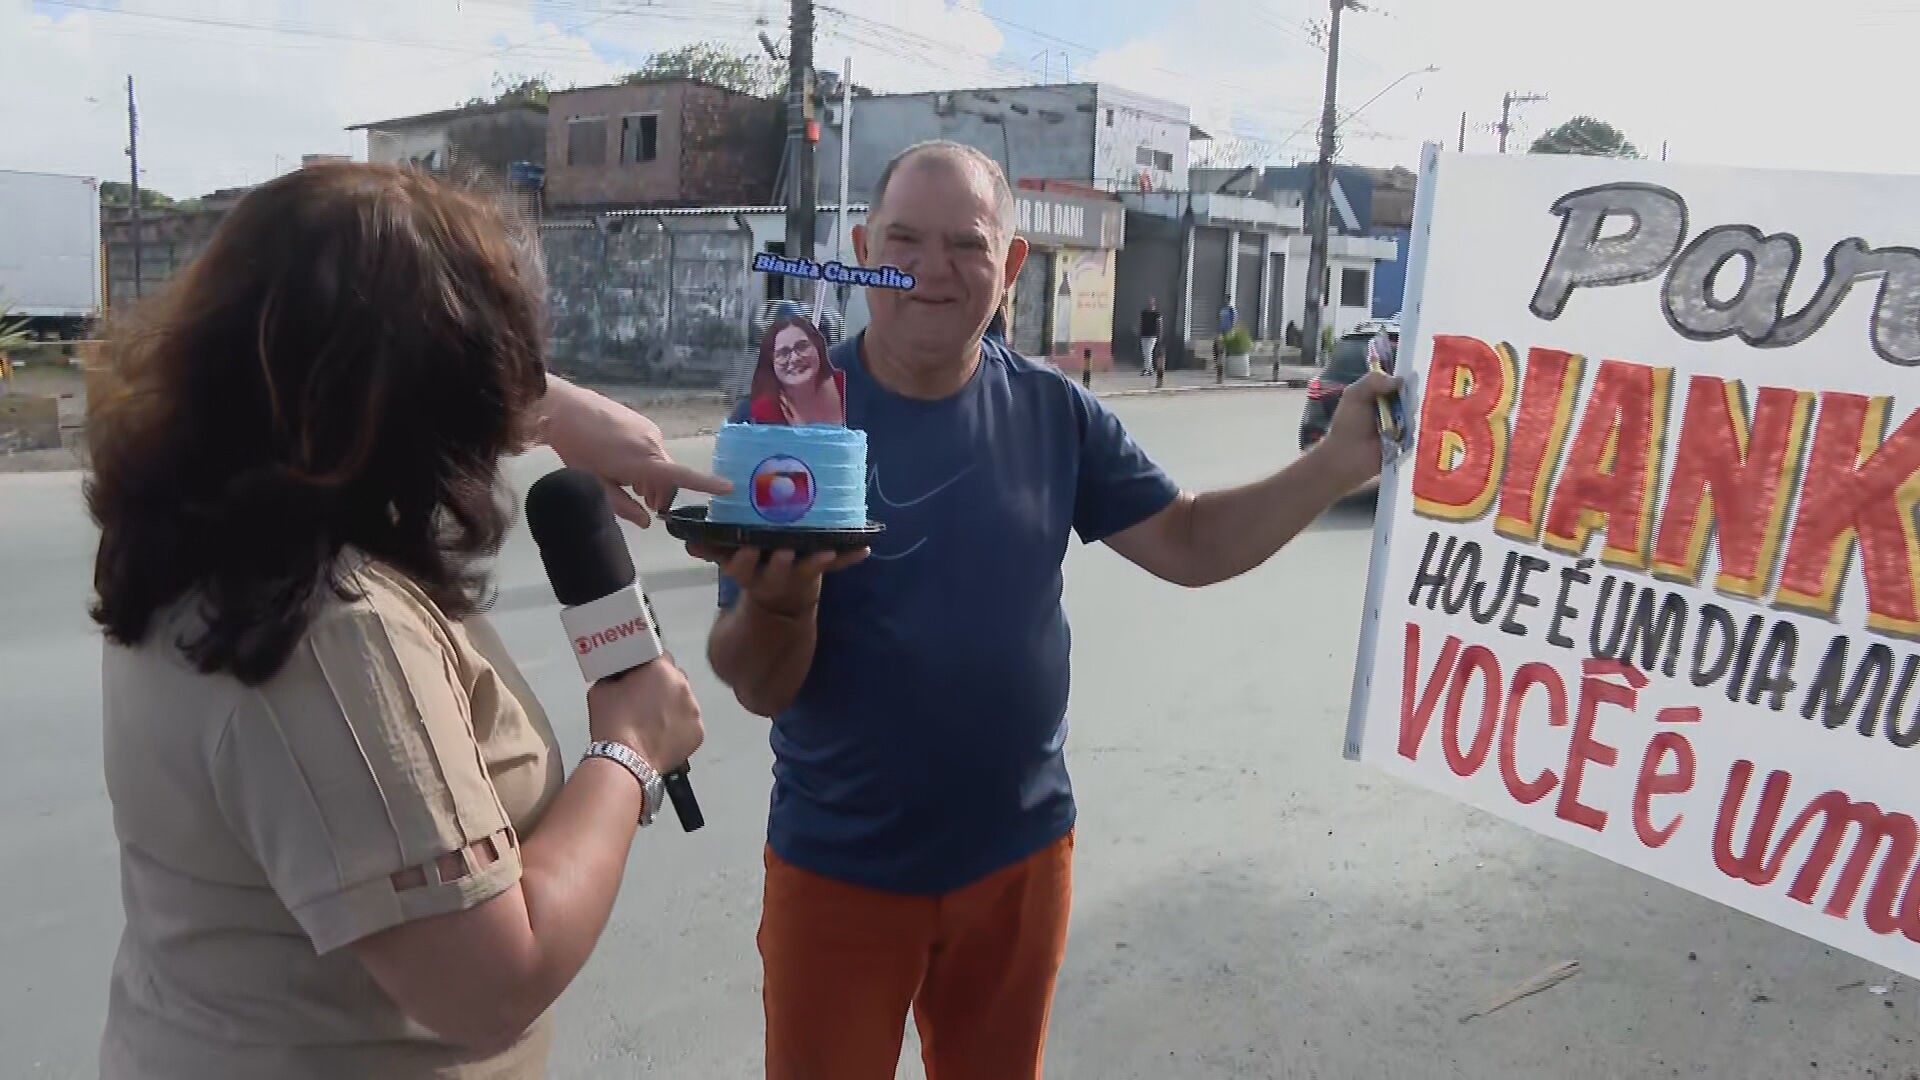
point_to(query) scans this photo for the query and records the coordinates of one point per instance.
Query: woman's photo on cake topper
(794, 382)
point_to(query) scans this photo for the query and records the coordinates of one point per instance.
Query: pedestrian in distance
(348, 845)
(1150, 323)
(920, 838)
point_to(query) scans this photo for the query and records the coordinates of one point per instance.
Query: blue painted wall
(1390, 278)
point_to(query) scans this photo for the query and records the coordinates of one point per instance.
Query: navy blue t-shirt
(924, 749)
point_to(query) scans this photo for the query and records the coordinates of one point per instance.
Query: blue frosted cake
(812, 476)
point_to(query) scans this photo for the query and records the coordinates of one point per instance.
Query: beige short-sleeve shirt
(260, 830)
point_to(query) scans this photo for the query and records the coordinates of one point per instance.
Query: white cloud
(1724, 81)
(233, 92)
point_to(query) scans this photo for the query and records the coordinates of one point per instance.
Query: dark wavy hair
(342, 367)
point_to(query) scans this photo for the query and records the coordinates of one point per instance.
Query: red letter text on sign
(1583, 747)
(1731, 484)
(1414, 718)
(1462, 439)
(1654, 781)
(1468, 761)
(1613, 465)
(1547, 396)
(1528, 792)
(1858, 486)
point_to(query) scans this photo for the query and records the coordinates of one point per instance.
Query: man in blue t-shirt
(920, 838)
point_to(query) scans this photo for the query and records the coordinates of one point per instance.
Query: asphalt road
(1247, 904)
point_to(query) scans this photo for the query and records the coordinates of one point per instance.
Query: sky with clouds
(234, 91)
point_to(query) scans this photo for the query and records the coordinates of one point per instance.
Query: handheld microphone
(608, 619)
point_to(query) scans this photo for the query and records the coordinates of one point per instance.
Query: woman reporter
(347, 844)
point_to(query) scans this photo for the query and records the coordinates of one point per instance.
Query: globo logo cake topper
(782, 489)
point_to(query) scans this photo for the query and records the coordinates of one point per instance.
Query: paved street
(1247, 904)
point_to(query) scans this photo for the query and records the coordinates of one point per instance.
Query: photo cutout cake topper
(795, 383)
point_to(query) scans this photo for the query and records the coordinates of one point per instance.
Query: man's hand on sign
(780, 583)
(1352, 445)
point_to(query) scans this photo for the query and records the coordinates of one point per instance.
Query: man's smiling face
(940, 222)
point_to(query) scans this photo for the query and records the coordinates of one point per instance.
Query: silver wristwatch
(655, 789)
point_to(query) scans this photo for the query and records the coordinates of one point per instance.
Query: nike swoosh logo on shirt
(873, 479)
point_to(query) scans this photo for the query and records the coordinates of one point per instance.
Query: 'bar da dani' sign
(1054, 220)
(1648, 578)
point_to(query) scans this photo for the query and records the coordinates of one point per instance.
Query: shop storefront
(1063, 298)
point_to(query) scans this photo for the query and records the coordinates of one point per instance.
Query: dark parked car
(1347, 365)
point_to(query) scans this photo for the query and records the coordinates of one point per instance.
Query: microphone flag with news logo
(608, 618)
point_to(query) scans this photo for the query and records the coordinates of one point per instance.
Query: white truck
(50, 252)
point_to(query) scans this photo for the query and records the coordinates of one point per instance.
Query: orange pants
(843, 964)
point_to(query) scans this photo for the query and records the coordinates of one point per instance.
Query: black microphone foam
(580, 541)
(586, 558)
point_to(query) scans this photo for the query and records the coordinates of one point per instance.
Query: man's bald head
(959, 156)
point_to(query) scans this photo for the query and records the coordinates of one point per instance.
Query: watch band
(652, 787)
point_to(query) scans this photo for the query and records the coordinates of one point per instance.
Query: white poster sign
(1646, 578)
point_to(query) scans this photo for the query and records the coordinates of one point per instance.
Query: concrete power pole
(802, 134)
(1506, 113)
(1461, 148)
(1321, 196)
(133, 176)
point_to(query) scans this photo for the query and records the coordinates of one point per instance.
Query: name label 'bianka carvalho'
(883, 277)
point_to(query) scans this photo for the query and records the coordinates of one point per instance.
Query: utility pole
(133, 175)
(1462, 147)
(1321, 197)
(1663, 149)
(802, 134)
(1506, 113)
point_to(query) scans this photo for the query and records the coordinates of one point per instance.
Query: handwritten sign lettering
(1648, 579)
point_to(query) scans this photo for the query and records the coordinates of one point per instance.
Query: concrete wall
(490, 140)
(1126, 123)
(424, 145)
(1035, 132)
(169, 240)
(497, 140)
(1334, 314)
(630, 303)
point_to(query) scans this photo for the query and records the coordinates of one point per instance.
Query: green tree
(119, 196)
(722, 65)
(514, 90)
(1586, 135)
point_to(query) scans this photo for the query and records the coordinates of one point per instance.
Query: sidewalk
(1130, 383)
(679, 412)
(1120, 383)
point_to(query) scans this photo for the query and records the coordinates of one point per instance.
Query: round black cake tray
(690, 524)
